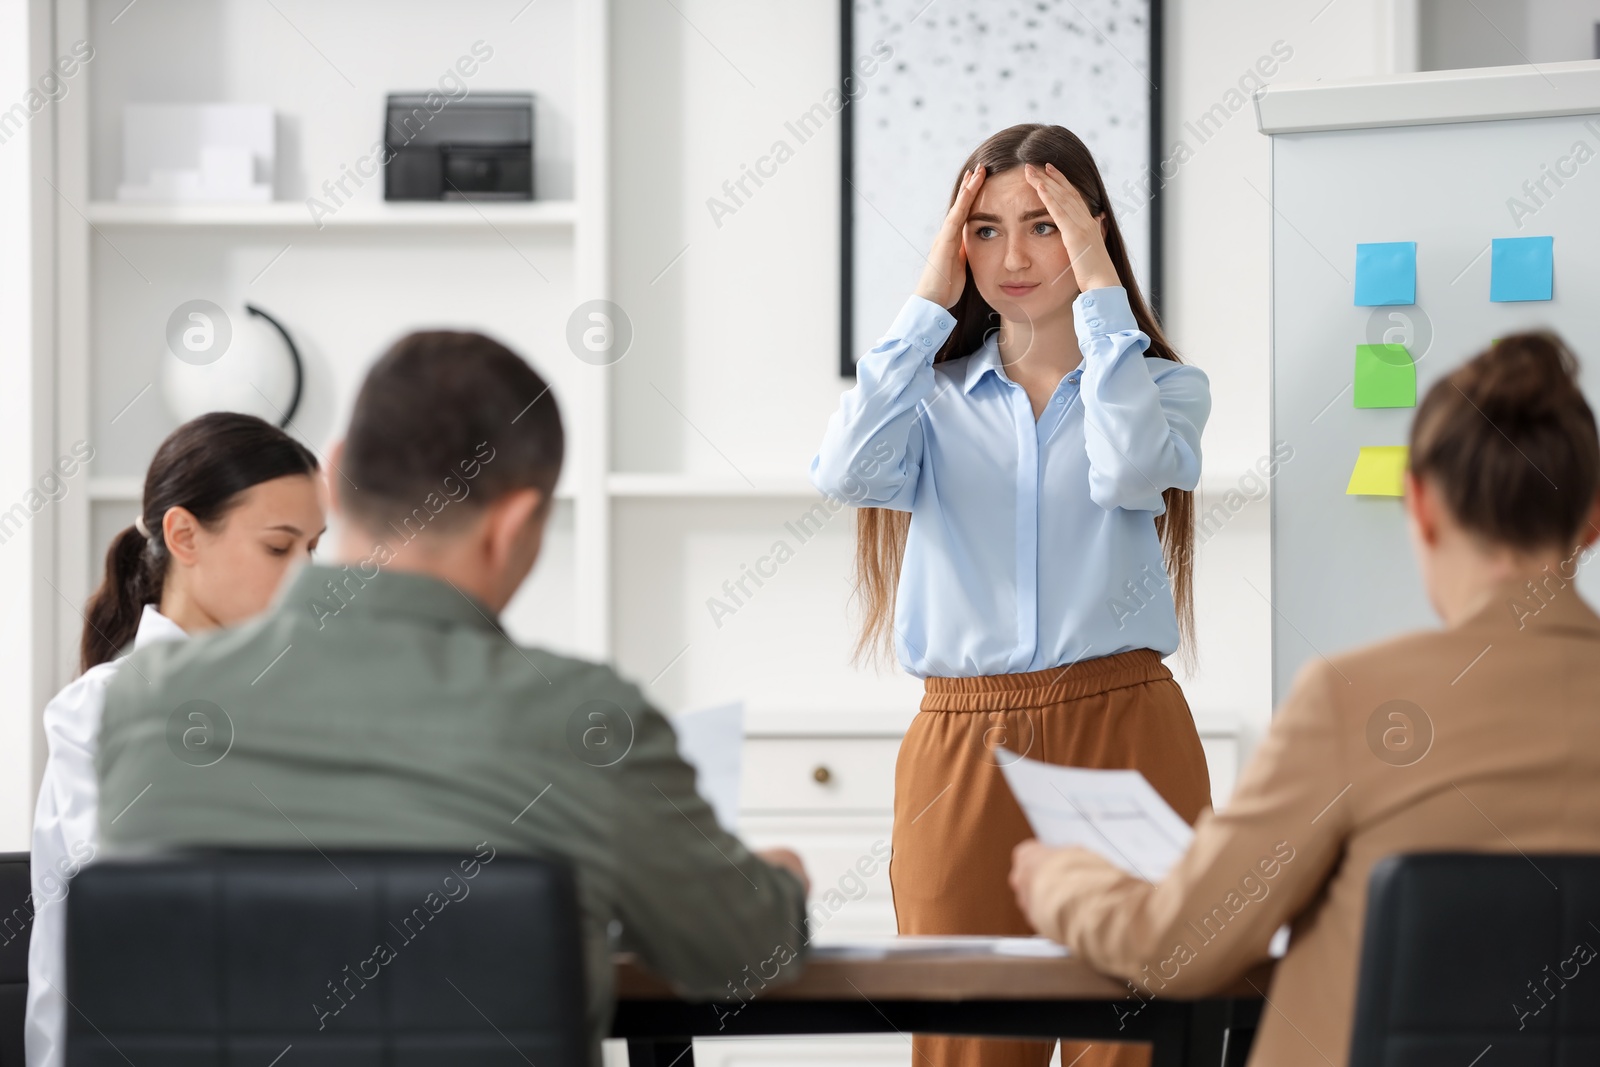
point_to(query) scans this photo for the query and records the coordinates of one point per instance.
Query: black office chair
(16, 923)
(348, 957)
(1467, 950)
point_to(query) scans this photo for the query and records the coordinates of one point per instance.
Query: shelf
(692, 485)
(116, 490)
(293, 214)
(130, 490)
(638, 484)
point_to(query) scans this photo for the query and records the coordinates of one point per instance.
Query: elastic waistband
(1030, 689)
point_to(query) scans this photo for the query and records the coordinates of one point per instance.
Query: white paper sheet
(1117, 814)
(893, 947)
(712, 742)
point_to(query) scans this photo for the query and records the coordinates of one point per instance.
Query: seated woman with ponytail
(1500, 501)
(229, 503)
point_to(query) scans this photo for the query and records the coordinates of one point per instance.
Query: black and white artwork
(929, 81)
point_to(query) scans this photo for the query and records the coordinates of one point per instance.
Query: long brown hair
(202, 466)
(881, 532)
(1511, 443)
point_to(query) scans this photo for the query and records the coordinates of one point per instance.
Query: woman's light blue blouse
(1032, 543)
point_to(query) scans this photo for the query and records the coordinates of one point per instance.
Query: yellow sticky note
(1380, 471)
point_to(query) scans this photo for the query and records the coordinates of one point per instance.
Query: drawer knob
(822, 775)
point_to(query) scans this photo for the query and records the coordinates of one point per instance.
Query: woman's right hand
(946, 273)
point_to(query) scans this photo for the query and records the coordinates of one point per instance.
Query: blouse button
(927, 342)
(1088, 301)
(1094, 322)
(1061, 400)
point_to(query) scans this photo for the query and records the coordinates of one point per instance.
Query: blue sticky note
(1521, 268)
(1386, 273)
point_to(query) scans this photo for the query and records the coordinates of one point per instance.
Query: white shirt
(65, 836)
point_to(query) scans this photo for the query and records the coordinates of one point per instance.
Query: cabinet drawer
(819, 774)
(847, 859)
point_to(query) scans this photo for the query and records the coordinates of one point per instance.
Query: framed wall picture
(928, 82)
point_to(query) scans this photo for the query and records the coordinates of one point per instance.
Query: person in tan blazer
(1481, 736)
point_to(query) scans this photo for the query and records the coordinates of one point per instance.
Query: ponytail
(201, 467)
(134, 576)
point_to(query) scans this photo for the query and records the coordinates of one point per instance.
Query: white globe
(255, 376)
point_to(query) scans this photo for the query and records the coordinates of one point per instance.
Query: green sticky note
(1385, 377)
(1380, 471)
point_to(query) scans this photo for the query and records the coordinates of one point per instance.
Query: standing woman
(229, 503)
(1021, 445)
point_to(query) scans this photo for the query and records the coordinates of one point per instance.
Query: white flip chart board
(1450, 160)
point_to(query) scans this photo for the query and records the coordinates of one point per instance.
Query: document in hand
(1117, 814)
(712, 742)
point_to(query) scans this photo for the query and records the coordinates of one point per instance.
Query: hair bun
(1522, 377)
(1510, 442)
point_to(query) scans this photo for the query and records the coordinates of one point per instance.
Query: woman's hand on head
(1083, 233)
(946, 272)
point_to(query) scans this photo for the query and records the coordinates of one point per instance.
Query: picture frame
(948, 81)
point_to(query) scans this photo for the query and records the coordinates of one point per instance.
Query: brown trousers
(956, 822)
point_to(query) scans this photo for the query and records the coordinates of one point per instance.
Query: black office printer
(479, 147)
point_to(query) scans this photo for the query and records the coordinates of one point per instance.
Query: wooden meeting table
(955, 993)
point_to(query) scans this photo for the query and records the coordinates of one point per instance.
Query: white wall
(1217, 283)
(18, 423)
(1562, 29)
(1492, 33)
(734, 364)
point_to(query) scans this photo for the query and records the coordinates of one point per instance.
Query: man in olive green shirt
(378, 703)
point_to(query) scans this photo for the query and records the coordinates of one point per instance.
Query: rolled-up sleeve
(1143, 416)
(871, 453)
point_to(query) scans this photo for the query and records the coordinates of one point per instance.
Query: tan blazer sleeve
(1249, 869)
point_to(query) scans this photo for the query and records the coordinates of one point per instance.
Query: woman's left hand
(1080, 231)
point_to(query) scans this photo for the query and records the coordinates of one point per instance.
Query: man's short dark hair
(446, 422)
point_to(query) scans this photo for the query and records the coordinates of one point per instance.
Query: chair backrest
(1463, 951)
(348, 957)
(16, 922)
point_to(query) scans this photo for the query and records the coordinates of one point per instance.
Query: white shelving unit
(284, 215)
(348, 282)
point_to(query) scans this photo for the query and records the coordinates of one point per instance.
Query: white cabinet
(830, 798)
(847, 858)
